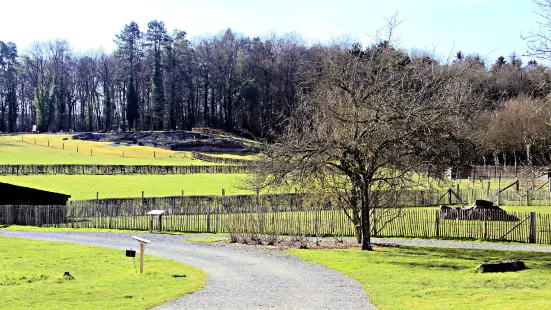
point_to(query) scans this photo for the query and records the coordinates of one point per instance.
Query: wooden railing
(87, 169)
(220, 160)
(291, 214)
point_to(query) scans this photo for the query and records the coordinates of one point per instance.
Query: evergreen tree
(128, 52)
(40, 103)
(156, 38)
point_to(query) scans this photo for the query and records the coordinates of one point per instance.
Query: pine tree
(156, 38)
(128, 52)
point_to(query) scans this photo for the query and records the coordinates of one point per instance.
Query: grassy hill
(52, 149)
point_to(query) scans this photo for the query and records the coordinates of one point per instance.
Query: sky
(488, 27)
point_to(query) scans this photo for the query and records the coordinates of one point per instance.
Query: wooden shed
(11, 194)
(30, 206)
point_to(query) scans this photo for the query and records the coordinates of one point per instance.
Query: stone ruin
(480, 210)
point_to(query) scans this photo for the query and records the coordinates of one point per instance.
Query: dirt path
(239, 277)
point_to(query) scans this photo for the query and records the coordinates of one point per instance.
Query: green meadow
(31, 277)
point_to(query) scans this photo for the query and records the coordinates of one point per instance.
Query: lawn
(441, 278)
(31, 277)
(233, 155)
(21, 149)
(109, 186)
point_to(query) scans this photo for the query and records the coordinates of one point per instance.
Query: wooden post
(48, 142)
(141, 256)
(151, 224)
(437, 224)
(154, 155)
(498, 188)
(532, 237)
(90, 152)
(208, 219)
(77, 148)
(63, 146)
(160, 223)
(223, 192)
(485, 232)
(97, 195)
(374, 215)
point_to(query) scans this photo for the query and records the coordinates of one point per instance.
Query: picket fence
(290, 214)
(87, 169)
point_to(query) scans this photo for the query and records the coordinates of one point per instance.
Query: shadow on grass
(452, 258)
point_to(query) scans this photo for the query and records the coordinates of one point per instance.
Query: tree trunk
(365, 224)
(366, 230)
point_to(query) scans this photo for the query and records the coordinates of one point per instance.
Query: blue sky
(488, 27)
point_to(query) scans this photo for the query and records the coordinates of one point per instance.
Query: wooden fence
(87, 169)
(503, 172)
(220, 160)
(33, 215)
(541, 197)
(291, 214)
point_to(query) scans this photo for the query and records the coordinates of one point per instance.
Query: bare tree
(365, 121)
(539, 41)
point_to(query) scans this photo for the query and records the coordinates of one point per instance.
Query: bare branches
(539, 41)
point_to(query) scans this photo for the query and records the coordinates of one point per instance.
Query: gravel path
(239, 277)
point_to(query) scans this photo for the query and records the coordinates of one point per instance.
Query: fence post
(498, 189)
(485, 233)
(208, 218)
(532, 236)
(374, 215)
(437, 224)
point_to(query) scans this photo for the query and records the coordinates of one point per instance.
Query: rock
(502, 266)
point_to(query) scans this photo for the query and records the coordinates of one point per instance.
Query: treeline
(157, 80)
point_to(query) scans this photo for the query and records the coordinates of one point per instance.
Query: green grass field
(233, 155)
(441, 278)
(109, 186)
(31, 277)
(15, 151)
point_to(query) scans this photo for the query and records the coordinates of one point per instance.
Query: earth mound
(170, 140)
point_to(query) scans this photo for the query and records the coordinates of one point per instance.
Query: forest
(160, 80)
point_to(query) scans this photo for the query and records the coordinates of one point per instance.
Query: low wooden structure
(21, 205)
(89, 169)
(11, 194)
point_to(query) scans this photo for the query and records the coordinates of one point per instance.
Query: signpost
(160, 214)
(142, 242)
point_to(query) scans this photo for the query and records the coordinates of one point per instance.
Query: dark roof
(7, 187)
